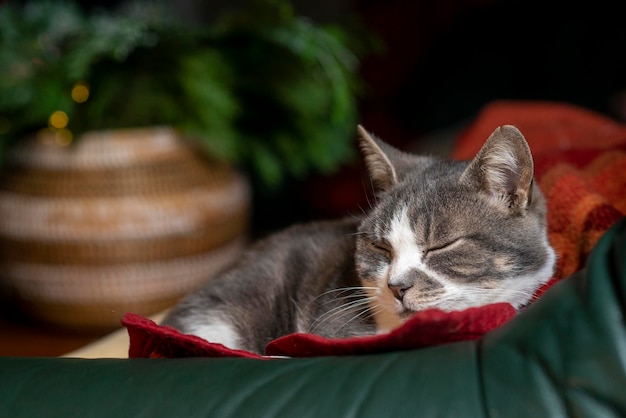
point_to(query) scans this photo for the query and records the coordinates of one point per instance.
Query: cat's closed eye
(445, 246)
(381, 247)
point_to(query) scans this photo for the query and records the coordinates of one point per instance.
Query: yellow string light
(58, 119)
(80, 92)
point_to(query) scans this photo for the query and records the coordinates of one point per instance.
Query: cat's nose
(399, 290)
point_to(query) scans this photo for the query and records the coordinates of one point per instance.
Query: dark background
(444, 60)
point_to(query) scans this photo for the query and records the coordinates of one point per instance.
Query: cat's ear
(377, 160)
(503, 168)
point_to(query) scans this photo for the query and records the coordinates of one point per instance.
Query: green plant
(261, 87)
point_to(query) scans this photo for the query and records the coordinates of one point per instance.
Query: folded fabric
(150, 340)
(431, 327)
(580, 161)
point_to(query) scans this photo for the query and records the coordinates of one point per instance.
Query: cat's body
(442, 234)
(281, 285)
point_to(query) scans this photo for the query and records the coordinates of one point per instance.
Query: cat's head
(452, 235)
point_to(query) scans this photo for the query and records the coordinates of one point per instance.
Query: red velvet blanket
(580, 164)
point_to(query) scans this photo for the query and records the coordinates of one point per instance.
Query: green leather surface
(399, 384)
(564, 356)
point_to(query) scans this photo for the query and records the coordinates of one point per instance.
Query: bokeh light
(80, 92)
(58, 120)
(63, 137)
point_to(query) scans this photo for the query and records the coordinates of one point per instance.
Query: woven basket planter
(124, 220)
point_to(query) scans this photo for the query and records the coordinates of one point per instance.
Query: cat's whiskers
(344, 302)
(340, 310)
(369, 310)
(335, 312)
(363, 211)
(367, 193)
(369, 203)
(297, 306)
(352, 234)
(355, 292)
(372, 310)
(346, 289)
(355, 295)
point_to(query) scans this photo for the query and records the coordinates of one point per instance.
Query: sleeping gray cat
(442, 234)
